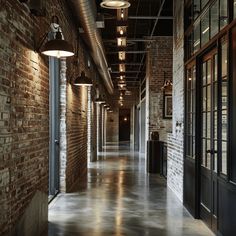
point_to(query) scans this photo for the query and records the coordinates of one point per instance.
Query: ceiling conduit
(85, 11)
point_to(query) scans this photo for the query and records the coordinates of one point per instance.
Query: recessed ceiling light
(115, 4)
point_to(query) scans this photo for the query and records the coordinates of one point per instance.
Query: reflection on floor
(120, 199)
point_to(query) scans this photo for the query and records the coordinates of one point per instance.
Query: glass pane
(189, 82)
(196, 8)
(205, 29)
(208, 97)
(204, 124)
(194, 78)
(215, 67)
(204, 99)
(224, 59)
(193, 124)
(204, 73)
(208, 72)
(203, 162)
(208, 160)
(215, 156)
(204, 2)
(189, 45)
(215, 95)
(214, 19)
(234, 8)
(189, 146)
(224, 94)
(215, 125)
(208, 124)
(224, 158)
(189, 124)
(193, 147)
(223, 13)
(224, 125)
(197, 42)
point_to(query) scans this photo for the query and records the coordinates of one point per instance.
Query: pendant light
(99, 100)
(83, 80)
(115, 4)
(58, 47)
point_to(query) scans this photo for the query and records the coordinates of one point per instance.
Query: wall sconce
(178, 126)
(99, 100)
(57, 47)
(168, 83)
(83, 80)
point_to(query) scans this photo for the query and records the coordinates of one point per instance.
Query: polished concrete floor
(119, 199)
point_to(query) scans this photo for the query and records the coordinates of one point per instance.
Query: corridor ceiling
(142, 24)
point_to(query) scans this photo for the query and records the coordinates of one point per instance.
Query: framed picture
(167, 106)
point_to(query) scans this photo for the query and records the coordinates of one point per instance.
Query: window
(204, 2)
(224, 104)
(205, 29)
(223, 13)
(190, 112)
(197, 42)
(234, 8)
(214, 26)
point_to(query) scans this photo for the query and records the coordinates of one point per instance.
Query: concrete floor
(119, 199)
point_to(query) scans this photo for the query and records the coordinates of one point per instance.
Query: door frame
(209, 173)
(54, 126)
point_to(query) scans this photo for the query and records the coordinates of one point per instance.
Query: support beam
(142, 18)
(126, 63)
(129, 52)
(130, 40)
(134, 71)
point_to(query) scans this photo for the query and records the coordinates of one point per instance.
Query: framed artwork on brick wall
(167, 106)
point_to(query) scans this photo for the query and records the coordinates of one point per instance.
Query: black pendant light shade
(83, 80)
(99, 100)
(58, 47)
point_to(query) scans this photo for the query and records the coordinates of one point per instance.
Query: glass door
(209, 140)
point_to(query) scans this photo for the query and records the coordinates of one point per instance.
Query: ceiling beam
(142, 18)
(130, 40)
(134, 71)
(126, 63)
(153, 30)
(129, 52)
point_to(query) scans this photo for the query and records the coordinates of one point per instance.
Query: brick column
(63, 129)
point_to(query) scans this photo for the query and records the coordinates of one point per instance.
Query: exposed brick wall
(92, 130)
(24, 115)
(176, 138)
(159, 69)
(24, 120)
(76, 135)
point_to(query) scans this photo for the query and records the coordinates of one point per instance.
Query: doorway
(124, 125)
(209, 140)
(54, 114)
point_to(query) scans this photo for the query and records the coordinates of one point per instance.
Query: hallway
(120, 199)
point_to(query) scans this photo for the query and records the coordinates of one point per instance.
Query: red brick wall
(24, 120)
(24, 110)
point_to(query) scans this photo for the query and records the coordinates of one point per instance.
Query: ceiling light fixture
(121, 42)
(115, 4)
(122, 56)
(122, 67)
(83, 80)
(122, 14)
